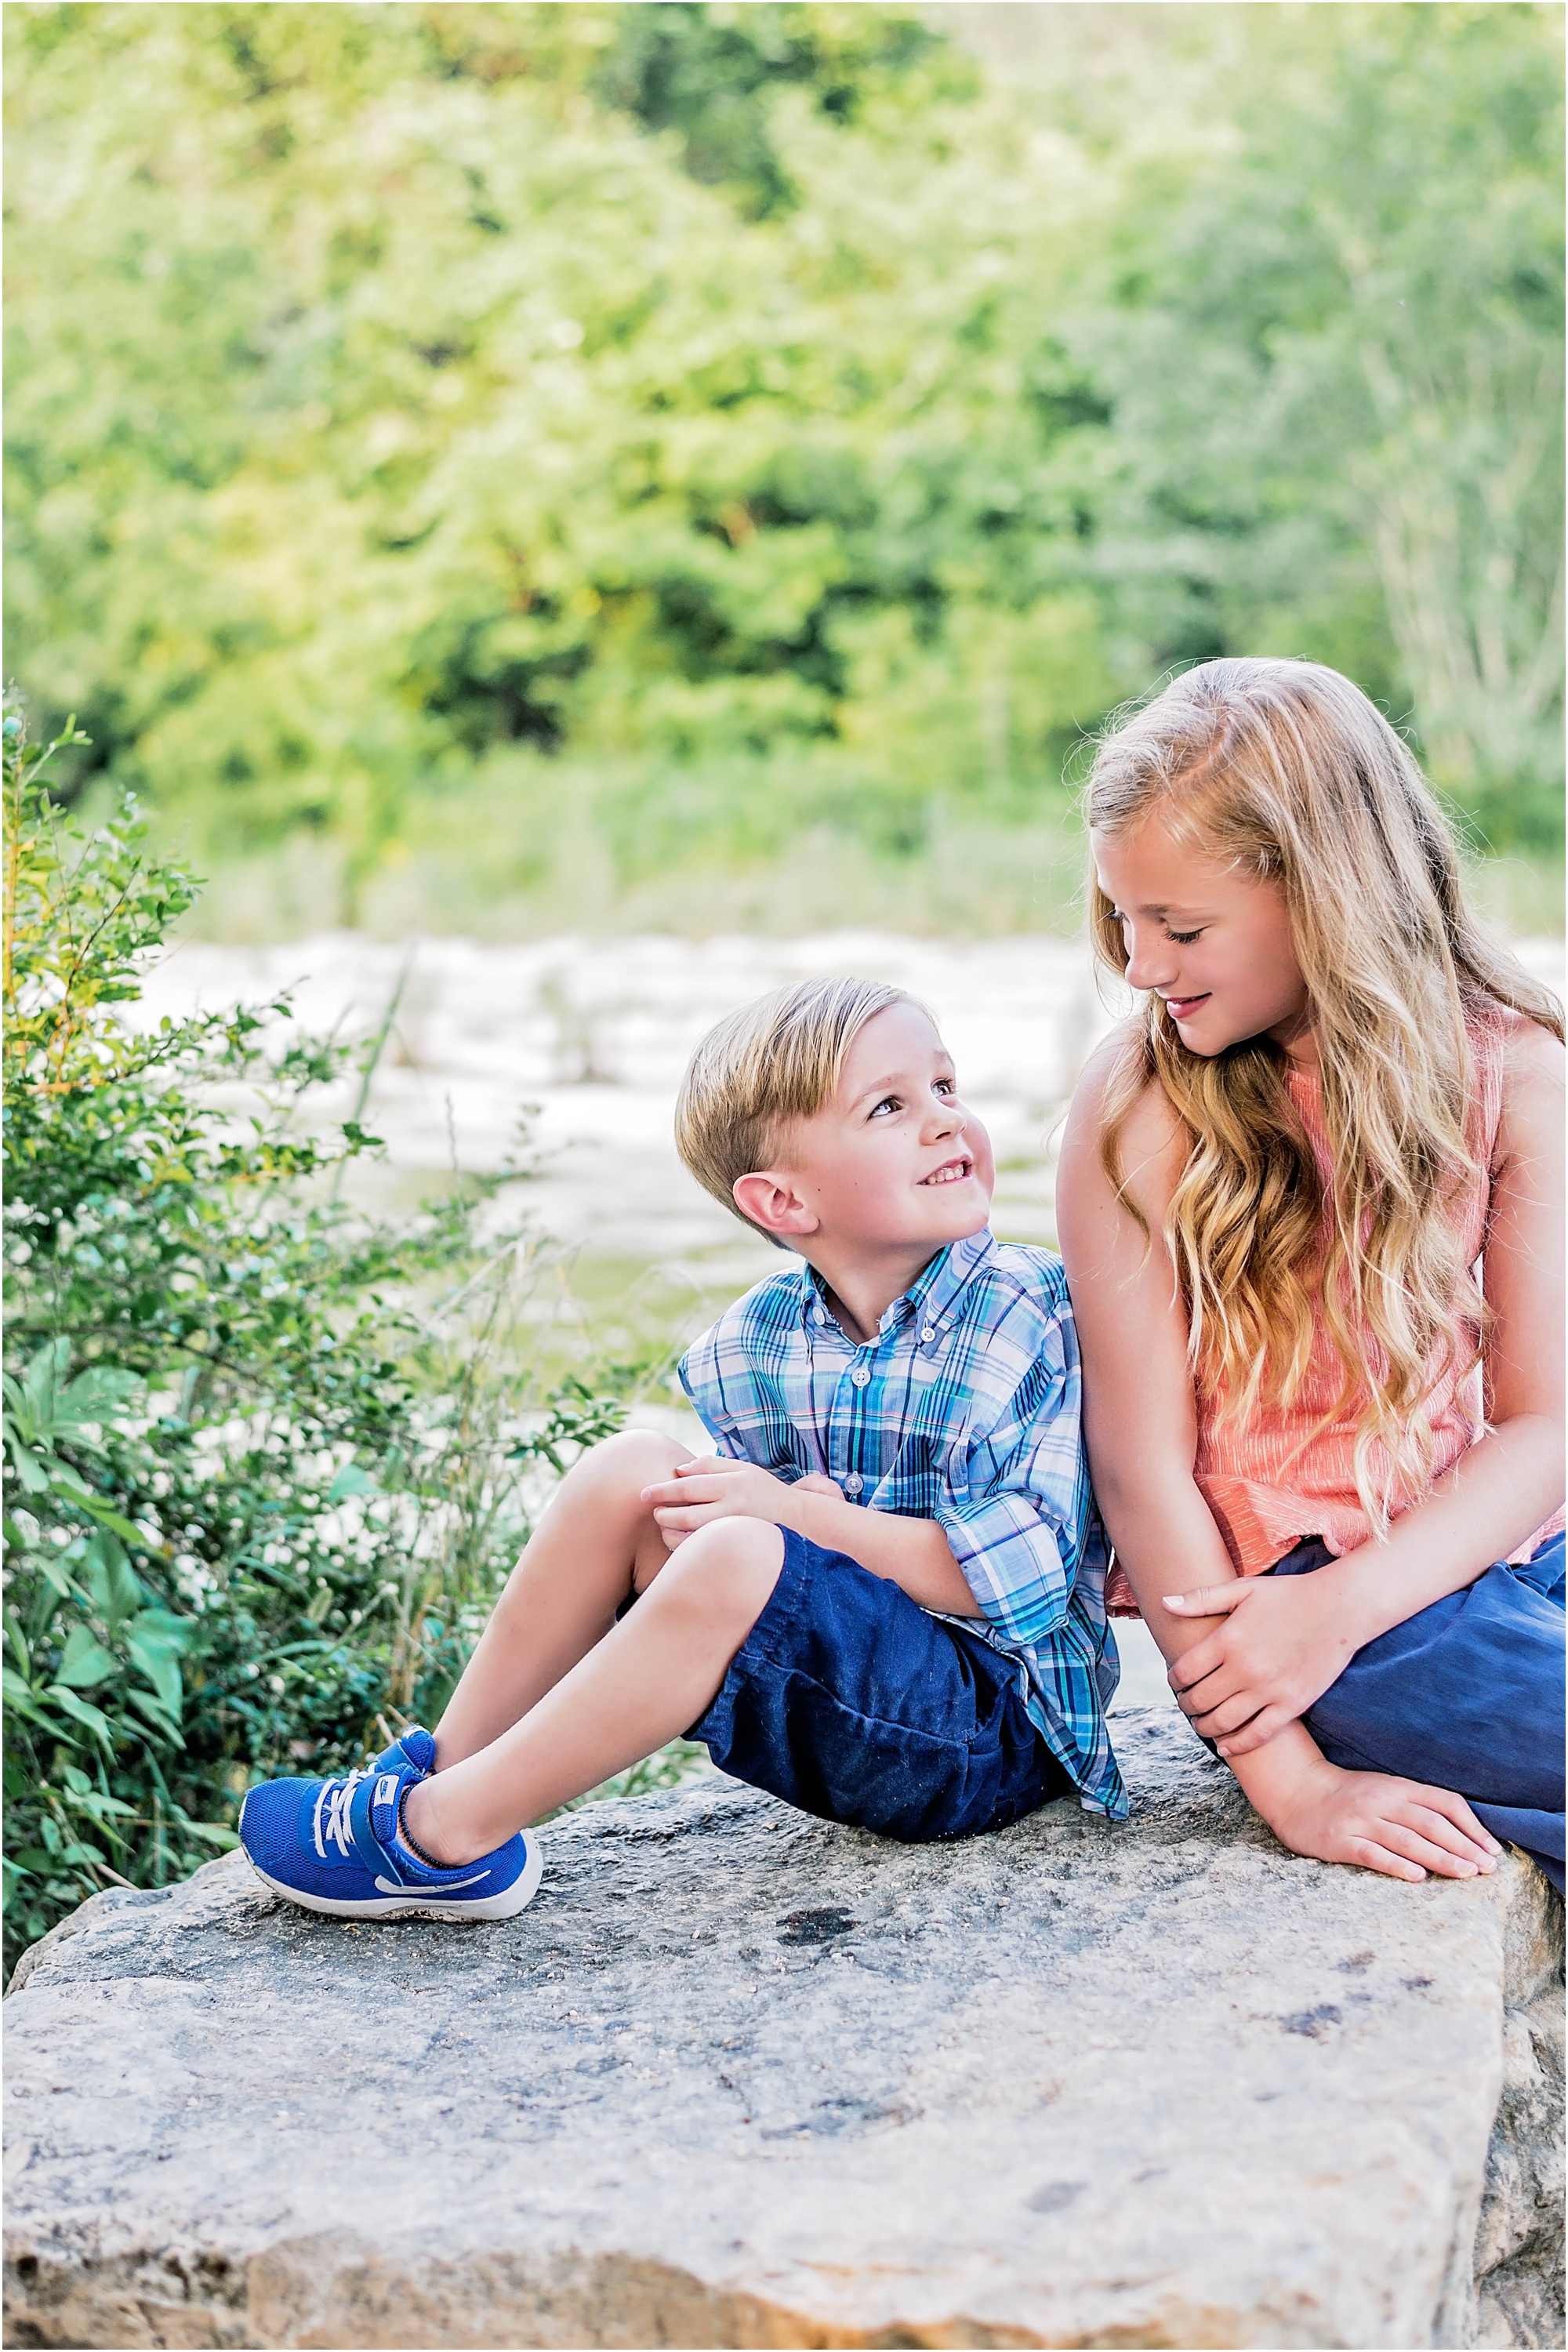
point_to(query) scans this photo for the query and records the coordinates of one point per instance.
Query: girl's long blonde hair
(1284, 770)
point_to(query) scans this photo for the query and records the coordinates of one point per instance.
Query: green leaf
(108, 1516)
(351, 1480)
(111, 1580)
(33, 1399)
(155, 1640)
(53, 1571)
(104, 1808)
(23, 1698)
(212, 1833)
(83, 1713)
(97, 1397)
(32, 1472)
(152, 1710)
(86, 1662)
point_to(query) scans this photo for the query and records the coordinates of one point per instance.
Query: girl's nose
(1150, 961)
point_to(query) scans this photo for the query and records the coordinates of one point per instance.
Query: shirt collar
(929, 1300)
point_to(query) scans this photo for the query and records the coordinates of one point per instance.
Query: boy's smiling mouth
(952, 1171)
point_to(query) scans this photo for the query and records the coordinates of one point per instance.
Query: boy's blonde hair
(760, 1069)
(1285, 771)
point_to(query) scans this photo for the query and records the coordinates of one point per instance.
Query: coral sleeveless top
(1270, 1482)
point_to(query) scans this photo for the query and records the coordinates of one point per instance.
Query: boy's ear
(771, 1201)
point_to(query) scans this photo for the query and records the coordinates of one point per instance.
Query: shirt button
(928, 1332)
(852, 1484)
(860, 1375)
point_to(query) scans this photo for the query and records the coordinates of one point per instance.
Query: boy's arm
(911, 1553)
(720, 1375)
(1012, 1520)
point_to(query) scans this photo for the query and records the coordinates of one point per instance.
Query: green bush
(266, 1462)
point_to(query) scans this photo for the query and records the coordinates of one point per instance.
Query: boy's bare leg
(596, 1538)
(648, 1678)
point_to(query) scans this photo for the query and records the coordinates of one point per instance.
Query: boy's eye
(888, 1102)
(944, 1087)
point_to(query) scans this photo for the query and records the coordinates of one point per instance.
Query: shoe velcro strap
(375, 1856)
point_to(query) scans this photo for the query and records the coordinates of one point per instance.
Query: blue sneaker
(416, 1746)
(335, 1846)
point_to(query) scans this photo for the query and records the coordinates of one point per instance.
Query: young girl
(1329, 1457)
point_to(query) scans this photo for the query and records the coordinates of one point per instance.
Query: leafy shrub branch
(266, 1460)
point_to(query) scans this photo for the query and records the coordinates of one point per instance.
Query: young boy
(880, 1600)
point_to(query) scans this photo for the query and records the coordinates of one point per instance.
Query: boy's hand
(1378, 1822)
(717, 1487)
(1283, 1642)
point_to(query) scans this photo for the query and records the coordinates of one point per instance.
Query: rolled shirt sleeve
(1016, 1505)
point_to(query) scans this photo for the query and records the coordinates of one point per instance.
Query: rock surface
(741, 2078)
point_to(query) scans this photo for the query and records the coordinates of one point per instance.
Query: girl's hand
(1378, 1822)
(1283, 1643)
(718, 1487)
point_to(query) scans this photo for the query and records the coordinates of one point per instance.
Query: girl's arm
(1283, 1643)
(1140, 1425)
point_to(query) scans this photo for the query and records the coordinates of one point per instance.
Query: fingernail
(1222, 1750)
(1173, 1600)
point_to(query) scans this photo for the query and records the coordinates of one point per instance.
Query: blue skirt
(1466, 1695)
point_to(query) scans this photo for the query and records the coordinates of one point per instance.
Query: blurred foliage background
(513, 467)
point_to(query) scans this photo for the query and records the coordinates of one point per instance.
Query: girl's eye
(1184, 939)
(888, 1102)
(945, 1086)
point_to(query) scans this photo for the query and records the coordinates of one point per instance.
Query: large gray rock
(741, 2078)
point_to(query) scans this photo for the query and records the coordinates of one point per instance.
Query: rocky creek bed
(741, 2078)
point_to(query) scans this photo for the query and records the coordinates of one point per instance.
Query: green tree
(579, 455)
(1335, 357)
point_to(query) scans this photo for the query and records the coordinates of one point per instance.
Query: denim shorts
(1466, 1695)
(849, 1699)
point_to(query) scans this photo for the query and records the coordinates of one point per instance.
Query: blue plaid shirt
(963, 1409)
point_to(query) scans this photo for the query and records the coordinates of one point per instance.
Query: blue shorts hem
(850, 1701)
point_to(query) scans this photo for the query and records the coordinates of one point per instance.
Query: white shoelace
(335, 1800)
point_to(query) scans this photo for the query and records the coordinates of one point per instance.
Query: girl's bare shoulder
(1533, 1070)
(1530, 1070)
(1152, 1144)
(1531, 1056)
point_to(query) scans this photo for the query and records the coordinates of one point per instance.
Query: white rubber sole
(412, 1905)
